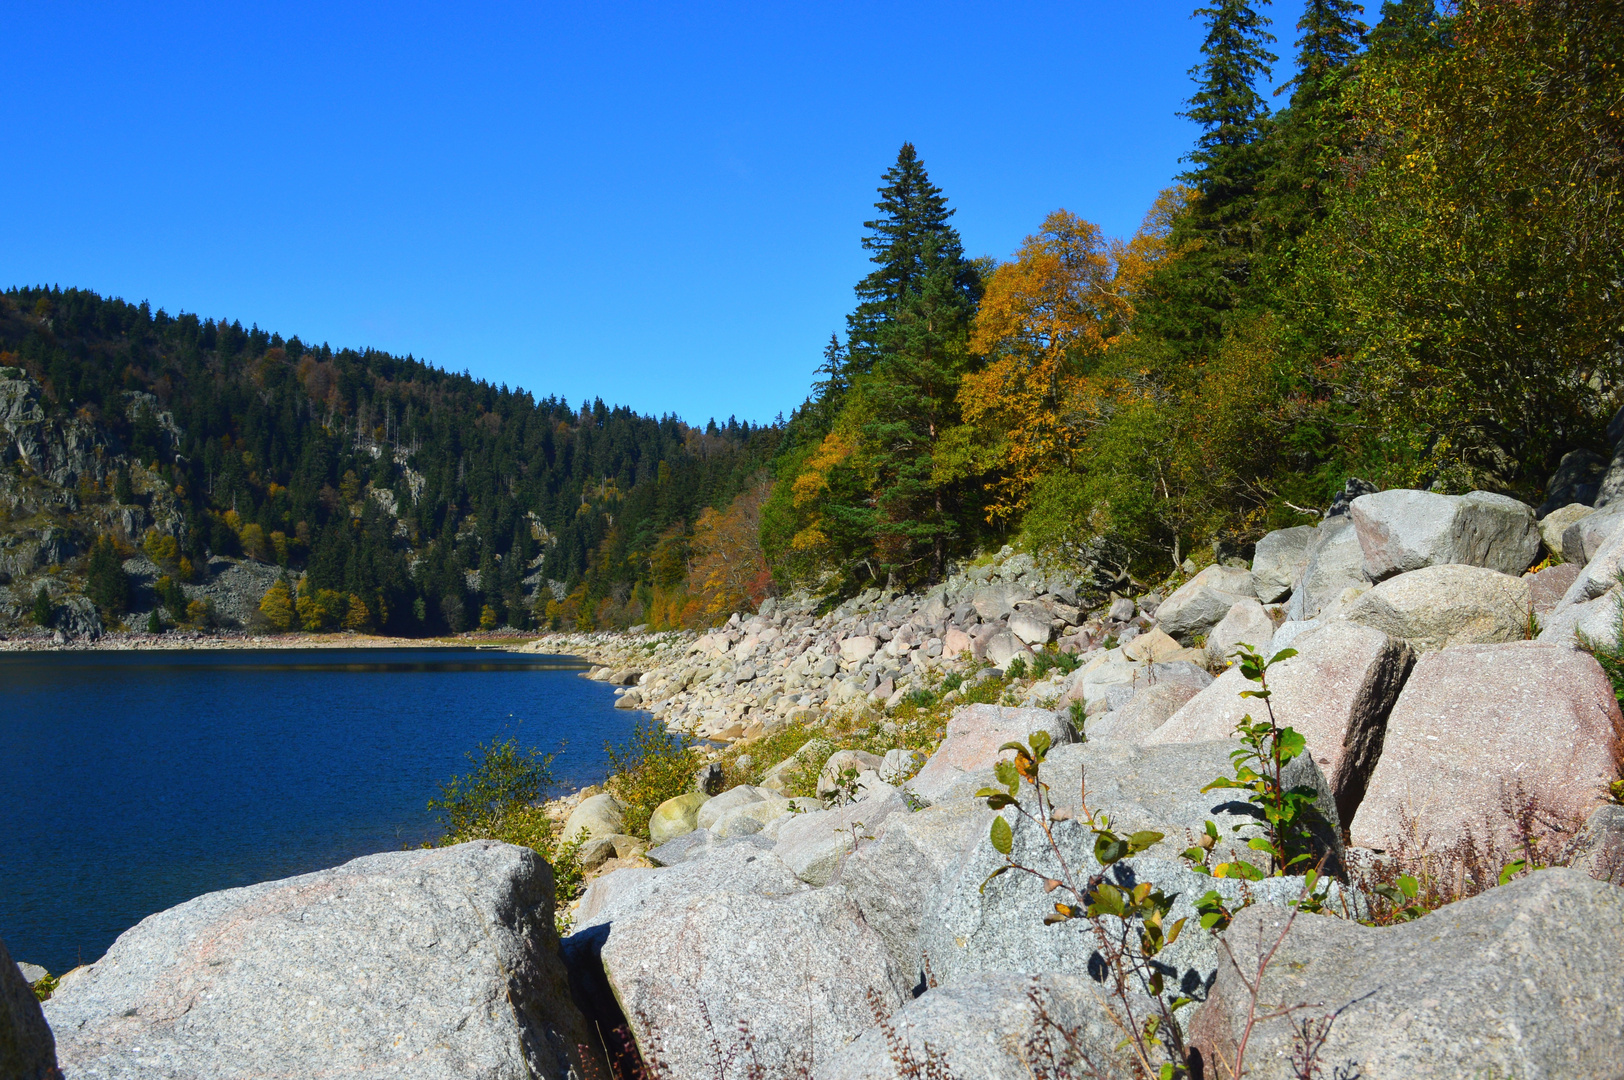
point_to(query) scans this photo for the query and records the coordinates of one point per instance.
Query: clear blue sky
(658, 204)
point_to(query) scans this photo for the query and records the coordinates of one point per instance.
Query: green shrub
(654, 766)
(496, 796)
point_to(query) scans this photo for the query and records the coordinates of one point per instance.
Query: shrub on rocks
(974, 735)
(1337, 692)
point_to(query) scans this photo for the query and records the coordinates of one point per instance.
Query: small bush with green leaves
(655, 765)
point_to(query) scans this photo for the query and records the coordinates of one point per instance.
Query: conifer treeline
(279, 441)
(1408, 271)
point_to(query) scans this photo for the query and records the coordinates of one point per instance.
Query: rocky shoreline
(1463, 753)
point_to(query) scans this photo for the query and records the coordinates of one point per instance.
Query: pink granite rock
(1336, 692)
(973, 737)
(1476, 723)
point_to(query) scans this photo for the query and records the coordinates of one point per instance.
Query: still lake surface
(136, 780)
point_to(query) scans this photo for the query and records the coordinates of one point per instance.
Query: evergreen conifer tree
(107, 585)
(44, 610)
(911, 399)
(1407, 27)
(1291, 195)
(1332, 36)
(1186, 303)
(1232, 115)
(913, 216)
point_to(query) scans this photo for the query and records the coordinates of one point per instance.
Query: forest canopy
(1405, 266)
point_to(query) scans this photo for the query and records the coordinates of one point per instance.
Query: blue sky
(658, 204)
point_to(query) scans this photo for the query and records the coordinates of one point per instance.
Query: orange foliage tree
(1045, 320)
(729, 572)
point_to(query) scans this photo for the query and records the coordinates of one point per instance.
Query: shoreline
(240, 640)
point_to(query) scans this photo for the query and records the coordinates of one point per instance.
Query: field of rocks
(1463, 755)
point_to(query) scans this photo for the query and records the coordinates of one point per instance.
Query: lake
(137, 780)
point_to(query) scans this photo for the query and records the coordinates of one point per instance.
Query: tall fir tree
(1332, 35)
(1406, 28)
(913, 215)
(1186, 304)
(911, 400)
(1233, 116)
(1313, 130)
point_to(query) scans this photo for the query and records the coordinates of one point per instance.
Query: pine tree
(1186, 304)
(107, 585)
(44, 610)
(1312, 130)
(1231, 113)
(912, 399)
(1332, 36)
(913, 216)
(1407, 28)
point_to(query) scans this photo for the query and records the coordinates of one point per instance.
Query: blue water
(134, 781)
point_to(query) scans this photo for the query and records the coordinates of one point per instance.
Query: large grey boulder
(1113, 678)
(1143, 713)
(1336, 692)
(815, 845)
(1201, 603)
(601, 815)
(1584, 538)
(1438, 606)
(1335, 564)
(1610, 489)
(1576, 482)
(1590, 607)
(742, 810)
(1555, 525)
(893, 877)
(843, 764)
(1477, 726)
(432, 963)
(1030, 628)
(974, 734)
(27, 1050)
(693, 951)
(1279, 560)
(1245, 624)
(996, 601)
(1404, 530)
(1525, 980)
(1004, 647)
(982, 1028)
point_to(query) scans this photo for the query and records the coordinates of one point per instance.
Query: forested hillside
(1407, 270)
(426, 496)
(1404, 268)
